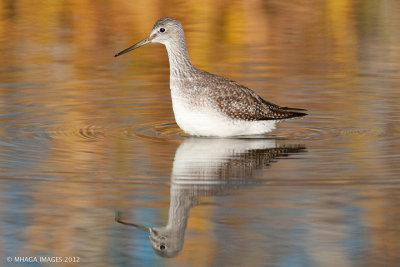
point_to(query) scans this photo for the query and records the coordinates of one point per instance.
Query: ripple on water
(88, 132)
(152, 131)
(160, 131)
(320, 129)
(323, 128)
(155, 131)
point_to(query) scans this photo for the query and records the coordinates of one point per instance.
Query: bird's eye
(162, 30)
(162, 247)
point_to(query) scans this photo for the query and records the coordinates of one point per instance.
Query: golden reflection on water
(83, 133)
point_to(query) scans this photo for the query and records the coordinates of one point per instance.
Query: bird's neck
(179, 61)
(180, 204)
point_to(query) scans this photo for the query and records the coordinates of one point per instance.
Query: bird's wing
(240, 102)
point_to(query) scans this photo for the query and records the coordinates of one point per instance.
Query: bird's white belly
(204, 120)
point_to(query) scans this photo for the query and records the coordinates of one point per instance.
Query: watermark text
(50, 259)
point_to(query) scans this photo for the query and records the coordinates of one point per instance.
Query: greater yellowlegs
(205, 104)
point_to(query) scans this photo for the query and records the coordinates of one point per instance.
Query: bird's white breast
(204, 119)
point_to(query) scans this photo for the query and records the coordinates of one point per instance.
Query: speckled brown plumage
(239, 102)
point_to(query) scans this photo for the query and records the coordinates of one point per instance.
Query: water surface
(83, 135)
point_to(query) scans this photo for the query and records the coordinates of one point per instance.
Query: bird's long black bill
(141, 43)
(139, 226)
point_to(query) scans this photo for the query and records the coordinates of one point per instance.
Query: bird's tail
(287, 113)
(299, 109)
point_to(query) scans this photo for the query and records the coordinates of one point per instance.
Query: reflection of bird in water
(206, 104)
(208, 167)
